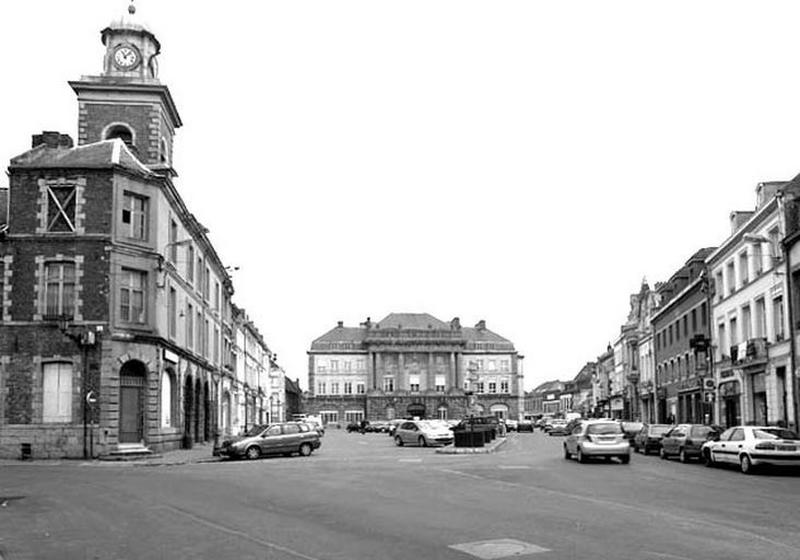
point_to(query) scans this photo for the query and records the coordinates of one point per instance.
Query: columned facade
(410, 365)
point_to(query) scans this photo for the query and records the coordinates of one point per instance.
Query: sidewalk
(200, 453)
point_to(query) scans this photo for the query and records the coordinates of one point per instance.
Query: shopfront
(730, 402)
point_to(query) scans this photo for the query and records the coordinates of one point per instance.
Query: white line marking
(240, 534)
(409, 460)
(513, 467)
(666, 555)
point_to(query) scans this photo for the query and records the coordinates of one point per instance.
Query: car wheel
(398, 441)
(683, 456)
(567, 454)
(625, 459)
(253, 452)
(581, 456)
(421, 441)
(305, 450)
(708, 460)
(745, 464)
(662, 453)
(646, 450)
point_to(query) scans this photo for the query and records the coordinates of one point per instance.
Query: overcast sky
(526, 163)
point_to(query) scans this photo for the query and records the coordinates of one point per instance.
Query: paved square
(498, 548)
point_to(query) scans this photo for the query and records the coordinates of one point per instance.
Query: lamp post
(84, 339)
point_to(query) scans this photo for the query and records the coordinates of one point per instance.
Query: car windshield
(433, 425)
(702, 431)
(774, 433)
(255, 430)
(659, 430)
(632, 426)
(604, 428)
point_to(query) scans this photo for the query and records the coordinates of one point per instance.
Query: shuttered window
(57, 392)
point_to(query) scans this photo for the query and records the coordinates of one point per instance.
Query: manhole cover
(498, 548)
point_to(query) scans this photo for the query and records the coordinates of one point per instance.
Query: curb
(491, 448)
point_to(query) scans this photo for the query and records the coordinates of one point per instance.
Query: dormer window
(121, 131)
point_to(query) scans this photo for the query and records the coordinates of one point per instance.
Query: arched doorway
(188, 411)
(416, 410)
(226, 412)
(499, 411)
(198, 408)
(132, 382)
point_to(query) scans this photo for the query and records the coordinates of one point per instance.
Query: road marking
(498, 548)
(513, 467)
(240, 534)
(628, 507)
(409, 460)
(666, 555)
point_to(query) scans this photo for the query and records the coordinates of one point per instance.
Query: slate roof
(482, 335)
(343, 334)
(103, 154)
(412, 321)
(548, 386)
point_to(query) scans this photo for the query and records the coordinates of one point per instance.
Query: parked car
(597, 438)
(649, 438)
(543, 421)
(753, 446)
(378, 426)
(353, 427)
(525, 426)
(558, 428)
(685, 440)
(286, 438)
(630, 429)
(423, 433)
(512, 425)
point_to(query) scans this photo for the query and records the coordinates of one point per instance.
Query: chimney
(455, 323)
(52, 139)
(340, 324)
(481, 325)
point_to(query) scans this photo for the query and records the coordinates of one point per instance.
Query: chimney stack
(340, 324)
(52, 139)
(481, 326)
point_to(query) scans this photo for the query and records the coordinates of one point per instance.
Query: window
(505, 365)
(761, 318)
(694, 320)
(216, 296)
(719, 286)
(321, 388)
(190, 264)
(199, 345)
(504, 386)
(290, 429)
(777, 314)
(61, 202)
(733, 332)
(722, 340)
(173, 241)
(334, 388)
(360, 388)
(703, 314)
(120, 131)
(132, 296)
(59, 289)
(215, 342)
(747, 328)
(413, 383)
(134, 216)
(479, 364)
(329, 416)
(479, 387)
(2, 286)
(348, 387)
(172, 312)
(440, 383)
(353, 416)
(206, 284)
(492, 365)
(677, 330)
(57, 392)
(441, 413)
(167, 388)
(189, 325)
(775, 244)
(205, 339)
(334, 365)
(388, 384)
(685, 326)
(730, 276)
(744, 273)
(492, 387)
(758, 259)
(199, 284)
(361, 365)
(670, 334)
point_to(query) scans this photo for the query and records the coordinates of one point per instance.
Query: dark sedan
(649, 438)
(685, 441)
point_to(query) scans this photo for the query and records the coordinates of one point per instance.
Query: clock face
(126, 57)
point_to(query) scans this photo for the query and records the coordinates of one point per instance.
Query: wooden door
(131, 421)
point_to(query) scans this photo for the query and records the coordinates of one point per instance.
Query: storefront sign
(729, 389)
(170, 356)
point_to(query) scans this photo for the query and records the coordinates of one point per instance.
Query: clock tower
(127, 100)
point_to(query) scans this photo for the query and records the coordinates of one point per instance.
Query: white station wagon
(752, 446)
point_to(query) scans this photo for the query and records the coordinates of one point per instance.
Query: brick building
(413, 364)
(681, 333)
(116, 327)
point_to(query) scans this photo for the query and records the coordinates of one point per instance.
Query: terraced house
(413, 364)
(116, 327)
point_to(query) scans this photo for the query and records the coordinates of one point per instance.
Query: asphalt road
(360, 497)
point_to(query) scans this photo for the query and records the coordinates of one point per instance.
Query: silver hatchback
(597, 438)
